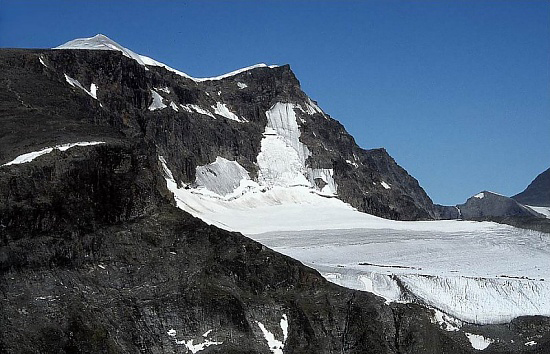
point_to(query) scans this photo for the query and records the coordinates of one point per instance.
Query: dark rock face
(538, 192)
(487, 204)
(94, 257)
(34, 92)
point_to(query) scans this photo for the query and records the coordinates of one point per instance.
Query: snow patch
(478, 342)
(446, 322)
(222, 110)
(531, 343)
(93, 90)
(275, 346)
(541, 210)
(28, 157)
(282, 157)
(42, 61)
(194, 348)
(221, 177)
(191, 108)
(326, 175)
(480, 195)
(242, 85)
(174, 106)
(74, 83)
(163, 89)
(385, 185)
(354, 164)
(157, 101)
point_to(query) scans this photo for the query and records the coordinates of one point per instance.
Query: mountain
(199, 120)
(537, 193)
(489, 204)
(104, 154)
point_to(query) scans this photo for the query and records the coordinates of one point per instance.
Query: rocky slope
(538, 191)
(94, 256)
(489, 204)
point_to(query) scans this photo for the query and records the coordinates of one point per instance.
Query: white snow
(282, 158)
(93, 90)
(102, 42)
(194, 108)
(478, 342)
(42, 61)
(541, 210)
(276, 346)
(157, 101)
(74, 83)
(324, 174)
(446, 322)
(174, 106)
(233, 73)
(222, 110)
(242, 85)
(163, 89)
(221, 177)
(480, 195)
(28, 157)
(354, 164)
(194, 348)
(531, 343)
(385, 185)
(310, 107)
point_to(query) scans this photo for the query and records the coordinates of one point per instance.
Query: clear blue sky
(458, 92)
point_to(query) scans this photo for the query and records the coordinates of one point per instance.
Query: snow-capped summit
(102, 42)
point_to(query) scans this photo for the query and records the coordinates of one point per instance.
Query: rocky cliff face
(94, 257)
(538, 191)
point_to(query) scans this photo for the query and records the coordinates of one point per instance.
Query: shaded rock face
(487, 204)
(537, 193)
(35, 88)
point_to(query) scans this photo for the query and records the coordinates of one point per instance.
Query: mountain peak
(102, 42)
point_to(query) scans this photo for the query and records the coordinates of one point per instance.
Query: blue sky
(458, 92)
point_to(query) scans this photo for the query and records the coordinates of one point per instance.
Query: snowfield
(478, 272)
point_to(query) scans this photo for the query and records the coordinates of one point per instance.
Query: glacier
(475, 272)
